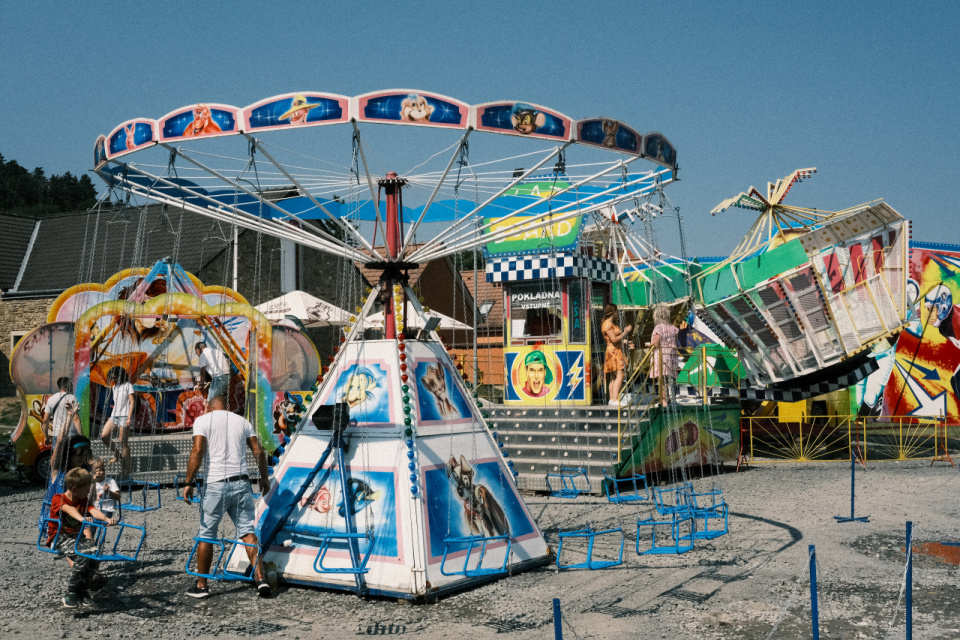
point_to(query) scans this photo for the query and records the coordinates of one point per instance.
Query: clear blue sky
(869, 93)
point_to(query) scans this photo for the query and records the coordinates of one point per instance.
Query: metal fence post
(909, 587)
(814, 611)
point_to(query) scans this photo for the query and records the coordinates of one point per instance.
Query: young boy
(72, 507)
(106, 493)
(120, 418)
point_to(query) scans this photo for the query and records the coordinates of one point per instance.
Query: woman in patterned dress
(613, 362)
(666, 361)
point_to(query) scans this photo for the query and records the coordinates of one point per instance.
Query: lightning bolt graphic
(574, 377)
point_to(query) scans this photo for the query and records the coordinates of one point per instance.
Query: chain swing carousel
(392, 483)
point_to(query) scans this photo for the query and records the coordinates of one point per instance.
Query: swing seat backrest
(349, 538)
(142, 506)
(470, 543)
(590, 535)
(100, 538)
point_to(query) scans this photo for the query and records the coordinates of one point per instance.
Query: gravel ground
(738, 586)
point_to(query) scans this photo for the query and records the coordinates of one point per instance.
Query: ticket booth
(549, 341)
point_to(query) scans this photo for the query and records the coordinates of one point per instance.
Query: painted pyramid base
(433, 511)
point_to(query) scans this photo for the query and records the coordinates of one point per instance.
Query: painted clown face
(941, 300)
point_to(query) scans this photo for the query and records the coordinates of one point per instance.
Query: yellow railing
(832, 438)
(630, 415)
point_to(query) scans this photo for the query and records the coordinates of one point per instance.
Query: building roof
(486, 292)
(14, 241)
(90, 247)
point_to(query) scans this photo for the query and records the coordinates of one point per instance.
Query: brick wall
(17, 315)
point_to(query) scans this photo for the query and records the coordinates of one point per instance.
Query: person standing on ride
(666, 360)
(218, 368)
(219, 437)
(614, 361)
(60, 412)
(121, 417)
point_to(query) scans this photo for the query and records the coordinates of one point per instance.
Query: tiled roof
(486, 291)
(15, 232)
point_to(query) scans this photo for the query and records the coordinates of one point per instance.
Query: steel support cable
(576, 205)
(532, 224)
(517, 180)
(348, 229)
(336, 247)
(318, 231)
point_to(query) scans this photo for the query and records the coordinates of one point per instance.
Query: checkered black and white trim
(812, 390)
(545, 266)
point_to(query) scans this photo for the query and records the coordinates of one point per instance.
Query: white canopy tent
(311, 311)
(412, 320)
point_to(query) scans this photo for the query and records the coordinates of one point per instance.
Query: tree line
(32, 193)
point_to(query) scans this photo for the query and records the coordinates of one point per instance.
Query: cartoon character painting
(130, 131)
(482, 514)
(361, 495)
(944, 316)
(526, 119)
(415, 108)
(363, 388)
(285, 413)
(359, 387)
(610, 128)
(435, 382)
(299, 110)
(320, 500)
(203, 123)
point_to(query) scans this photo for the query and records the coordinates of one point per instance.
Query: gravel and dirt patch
(740, 585)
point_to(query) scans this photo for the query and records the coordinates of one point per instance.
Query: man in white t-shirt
(121, 417)
(60, 413)
(220, 440)
(218, 368)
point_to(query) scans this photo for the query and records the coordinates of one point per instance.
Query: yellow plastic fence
(831, 438)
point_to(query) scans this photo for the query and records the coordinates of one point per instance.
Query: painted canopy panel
(522, 119)
(657, 148)
(608, 133)
(298, 109)
(406, 106)
(130, 136)
(202, 120)
(100, 152)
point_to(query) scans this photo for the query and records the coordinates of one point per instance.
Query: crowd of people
(80, 491)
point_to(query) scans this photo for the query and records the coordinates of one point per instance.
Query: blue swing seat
(591, 537)
(179, 483)
(568, 483)
(143, 490)
(100, 537)
(716, 511)
(630, 483)
(42, 537)
(682, 540)
(327, 538)
(219, 570)
(672, 500)
(471, 542)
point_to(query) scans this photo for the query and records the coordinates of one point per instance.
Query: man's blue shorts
(233, 498)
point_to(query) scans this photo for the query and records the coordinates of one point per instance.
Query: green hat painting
(539, 375)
